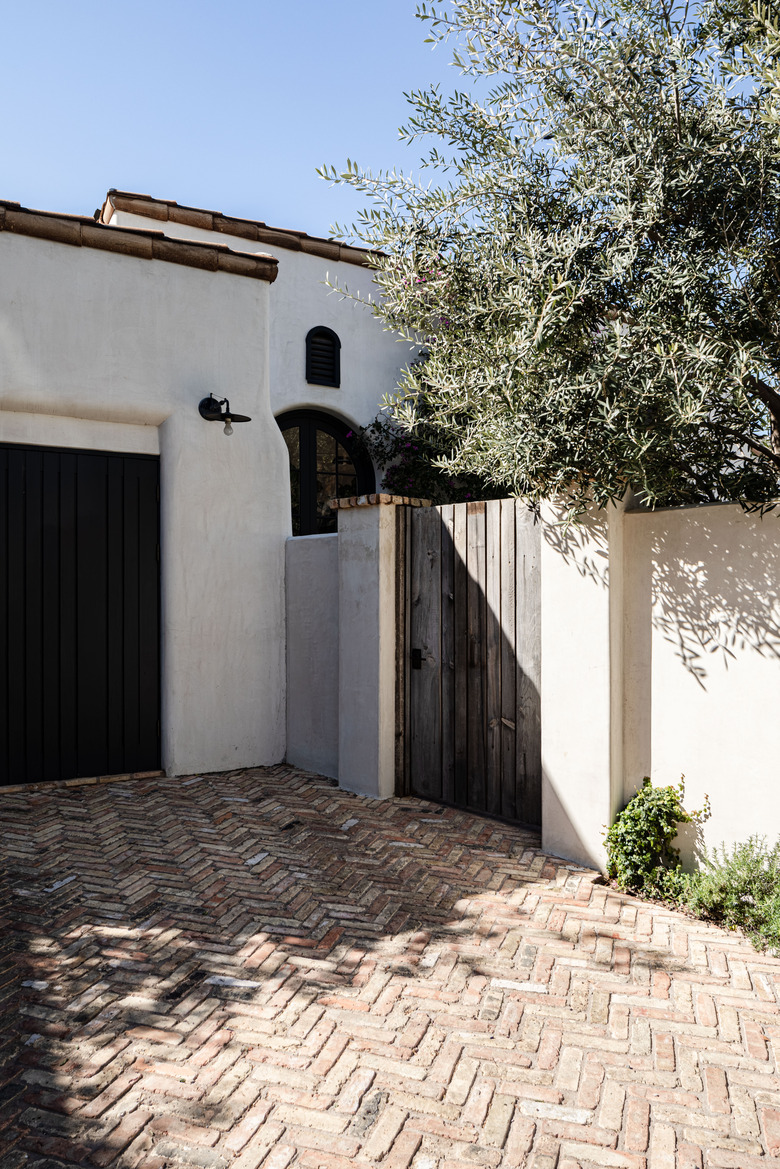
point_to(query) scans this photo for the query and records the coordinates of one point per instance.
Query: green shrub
(640, 852)
(741, 889)
(408, 457)
(737, 888)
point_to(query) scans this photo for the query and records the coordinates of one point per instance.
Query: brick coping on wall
(168, 210)
(376, 498)
(83, 232)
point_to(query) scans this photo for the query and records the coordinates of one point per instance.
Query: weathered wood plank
(469, 717)
(493, 657)
(460, 620)
(528, 675)
(402, 704)
(426, 637)
(475, 519)
(448, 721)
(508, 688)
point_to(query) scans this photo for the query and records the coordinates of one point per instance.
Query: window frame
(309, 421)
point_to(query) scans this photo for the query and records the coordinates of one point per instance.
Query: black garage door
(79, 614)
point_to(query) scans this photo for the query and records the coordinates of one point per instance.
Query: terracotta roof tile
(168, 210)
(80, 231)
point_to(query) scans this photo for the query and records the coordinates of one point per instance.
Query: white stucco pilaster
(582, 692)
(367, 649)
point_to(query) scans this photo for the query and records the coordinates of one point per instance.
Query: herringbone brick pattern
(257, 970)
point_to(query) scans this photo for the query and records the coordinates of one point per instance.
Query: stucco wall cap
(168, 210)
(83, 232)
(376, 499)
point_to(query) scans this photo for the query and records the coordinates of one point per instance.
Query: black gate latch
(416, 659)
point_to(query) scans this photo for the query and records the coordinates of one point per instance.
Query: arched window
(326, 462)
(323, 357)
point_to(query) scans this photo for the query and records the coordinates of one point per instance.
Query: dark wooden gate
(79, 614)
(469, 658)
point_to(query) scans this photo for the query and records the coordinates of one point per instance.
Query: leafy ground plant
(740, 889)
(737, 888)
(641, 855)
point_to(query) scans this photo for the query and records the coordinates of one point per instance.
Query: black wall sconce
(211, 409)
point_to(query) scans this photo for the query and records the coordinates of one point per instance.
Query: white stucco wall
(703, 691)
(371, 358)
(103, 351)
(660, 657)
(580, 754)
(313, 653)
(367, 649)
(56, 431)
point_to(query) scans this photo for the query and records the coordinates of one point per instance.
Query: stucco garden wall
(112, 352)
(702, 691)
(313, 653)
(580, 763)
(660, 657)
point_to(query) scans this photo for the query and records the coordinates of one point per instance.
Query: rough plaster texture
(660, 657)
(367, 543)
(577, 668)
(93, 343)
(703, 663)
(371, 358)
(51, 430)
(313, 653)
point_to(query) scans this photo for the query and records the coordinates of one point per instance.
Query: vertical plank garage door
(79, 614)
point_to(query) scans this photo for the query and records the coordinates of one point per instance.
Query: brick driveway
(260, 970)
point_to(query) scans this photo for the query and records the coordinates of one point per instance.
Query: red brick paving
(256, 971)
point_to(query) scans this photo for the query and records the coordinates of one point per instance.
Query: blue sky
(228, 106)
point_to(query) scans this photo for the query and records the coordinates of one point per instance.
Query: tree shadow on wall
(705, 578)
(694, 598)
(715, 573)
(582, 544)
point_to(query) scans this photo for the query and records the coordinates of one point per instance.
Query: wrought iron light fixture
(211, 409)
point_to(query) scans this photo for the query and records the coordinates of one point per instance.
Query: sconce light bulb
(228, 428)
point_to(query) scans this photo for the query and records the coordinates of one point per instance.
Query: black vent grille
(323, 365)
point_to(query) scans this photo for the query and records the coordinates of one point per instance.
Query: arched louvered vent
(323, 364)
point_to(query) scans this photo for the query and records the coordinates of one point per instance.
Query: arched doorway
(326, 462)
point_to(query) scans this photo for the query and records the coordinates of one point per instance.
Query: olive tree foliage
(593, 265)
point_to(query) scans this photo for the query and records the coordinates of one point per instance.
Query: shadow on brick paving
(243, 970)
(131, 904)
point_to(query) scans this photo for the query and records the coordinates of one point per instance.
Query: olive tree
(590, 258)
